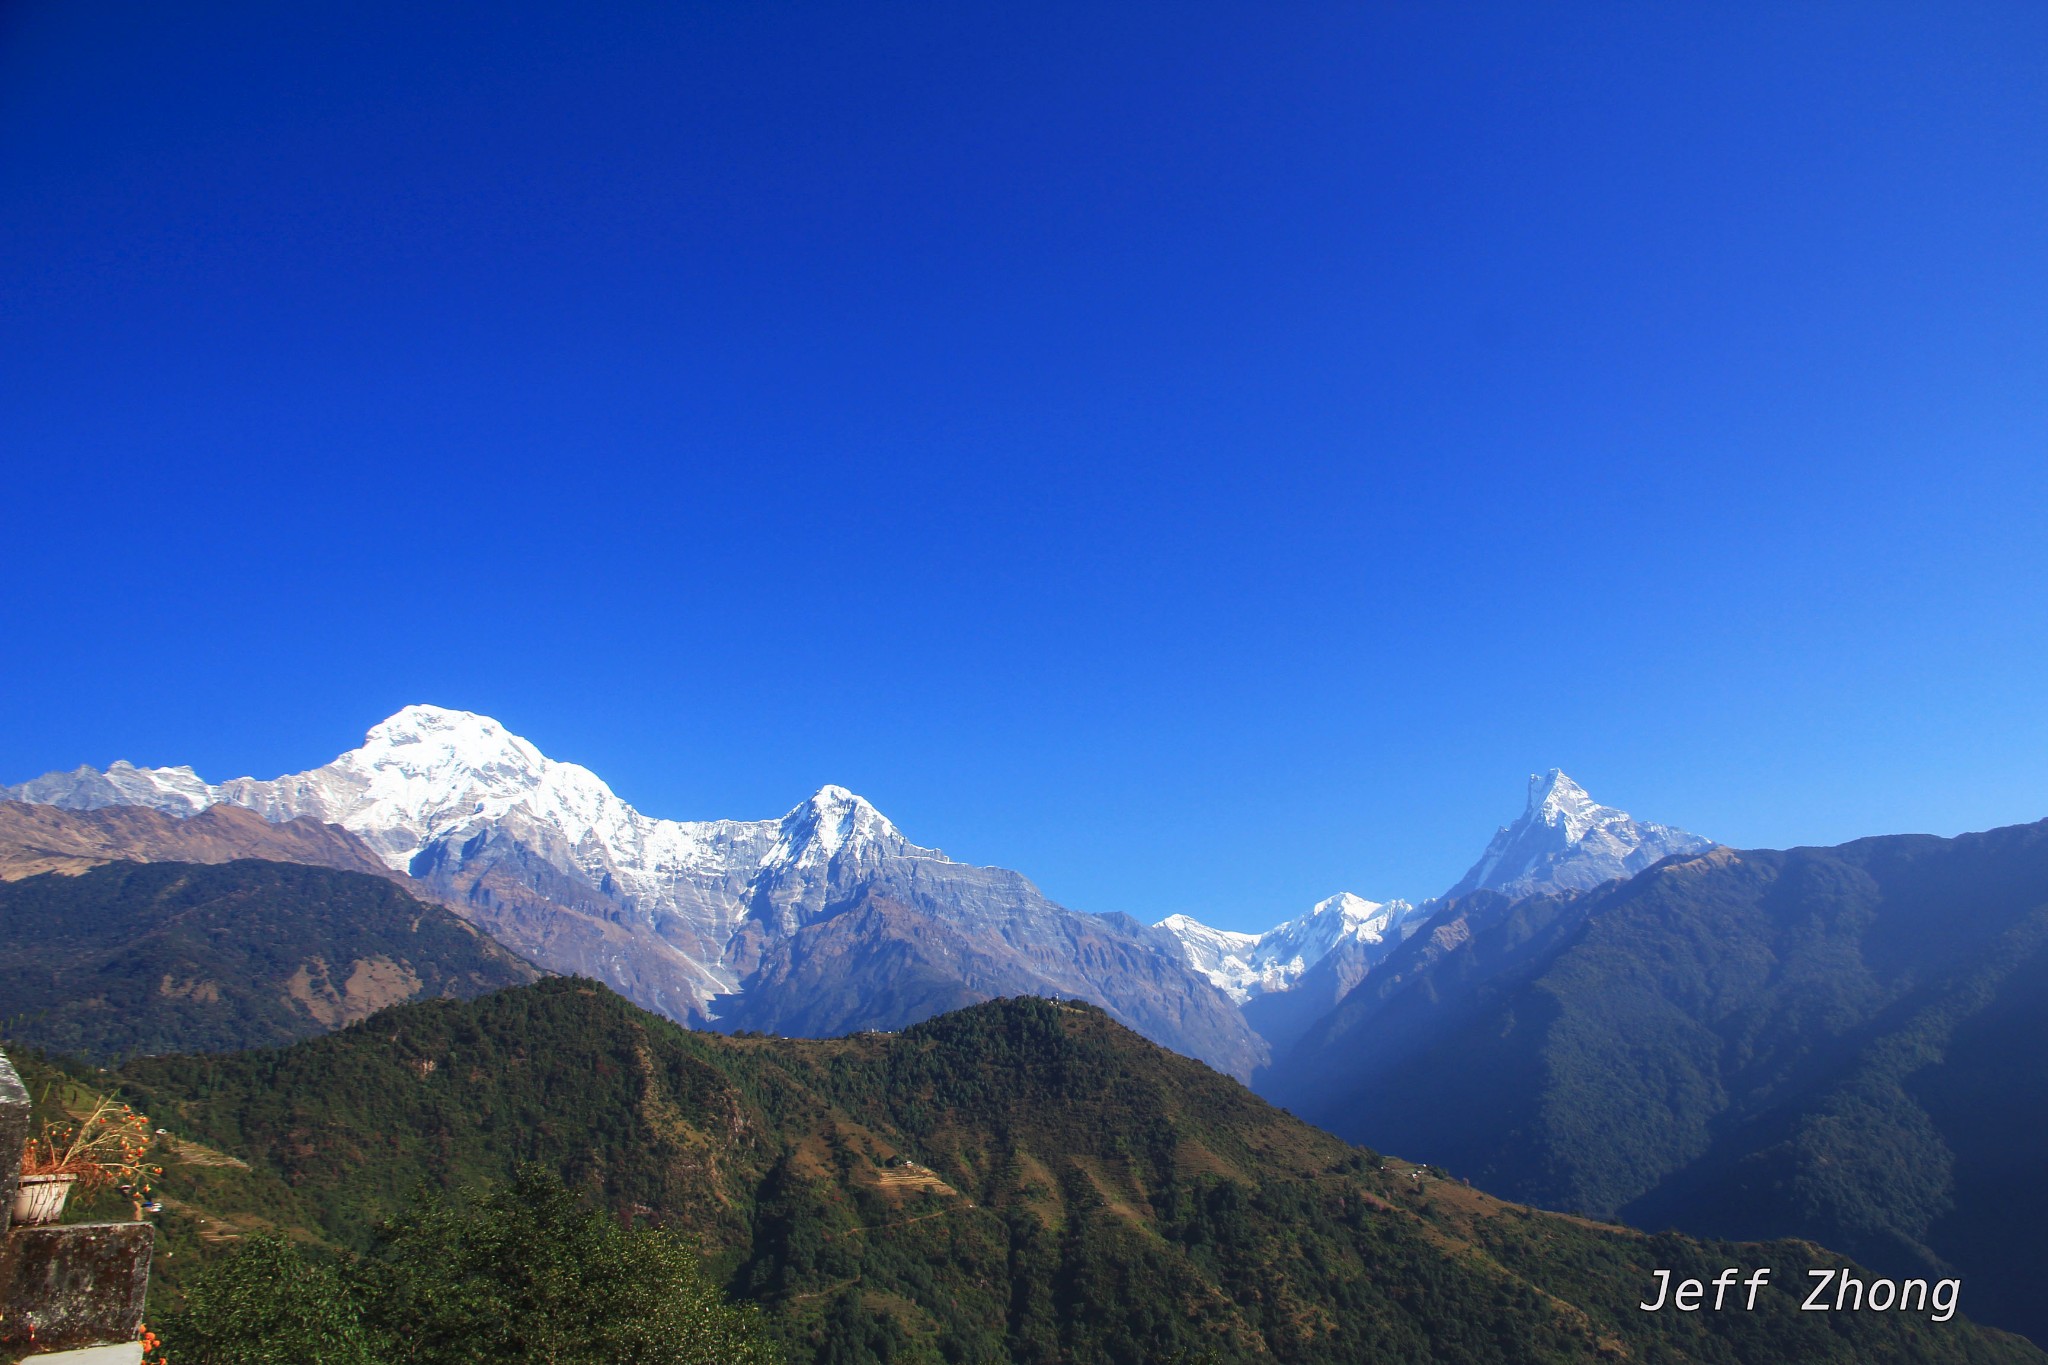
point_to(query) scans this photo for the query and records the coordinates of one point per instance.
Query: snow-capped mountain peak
(429, 771)
(834, 821)
(1567, 841)
(1345, 908)
(178, 790)
(1563, 840)
(435, 742)
(1292, 948)
(1556, 800)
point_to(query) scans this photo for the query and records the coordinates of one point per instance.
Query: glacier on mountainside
(1245, 965)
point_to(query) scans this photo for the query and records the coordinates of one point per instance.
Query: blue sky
(1203, 456)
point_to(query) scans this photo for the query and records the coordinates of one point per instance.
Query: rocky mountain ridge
(36, 839)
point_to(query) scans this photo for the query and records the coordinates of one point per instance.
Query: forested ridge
(1024, 1180)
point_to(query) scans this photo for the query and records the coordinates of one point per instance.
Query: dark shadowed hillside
(1023, 1180)
(129, 958)
(1842, 1044)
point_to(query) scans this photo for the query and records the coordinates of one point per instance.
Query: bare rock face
(692, 917)
(40, 838)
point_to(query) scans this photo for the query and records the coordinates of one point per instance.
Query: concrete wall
(69, 1284)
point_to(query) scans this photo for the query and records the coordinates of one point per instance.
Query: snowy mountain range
(685, 916)
(828, 919)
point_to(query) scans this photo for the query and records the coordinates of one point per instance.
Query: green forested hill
(130, 958)
(1019, 1181)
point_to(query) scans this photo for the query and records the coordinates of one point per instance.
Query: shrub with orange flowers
(109, 1146)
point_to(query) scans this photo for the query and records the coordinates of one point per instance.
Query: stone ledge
(74, 1284)
(129, 1353)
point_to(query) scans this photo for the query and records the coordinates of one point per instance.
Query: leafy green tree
(529, 1272)
(524, 1272)
(269, 1304)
